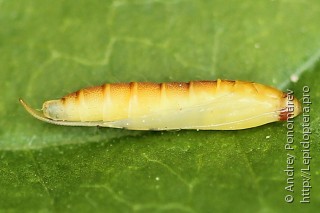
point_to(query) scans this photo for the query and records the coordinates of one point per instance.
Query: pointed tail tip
(24, 104)
(35, 113)
(27, 107)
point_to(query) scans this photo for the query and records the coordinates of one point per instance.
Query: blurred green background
(51, 48)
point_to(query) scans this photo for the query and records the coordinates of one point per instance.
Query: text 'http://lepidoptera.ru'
(201, 105)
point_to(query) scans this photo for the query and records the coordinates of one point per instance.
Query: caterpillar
(201, 105)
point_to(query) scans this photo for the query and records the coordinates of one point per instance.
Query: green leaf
(51, 48)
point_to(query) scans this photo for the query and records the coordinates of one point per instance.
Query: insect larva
(204, 105)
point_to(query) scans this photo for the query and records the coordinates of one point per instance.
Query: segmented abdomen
(206, 105)
(117, 101)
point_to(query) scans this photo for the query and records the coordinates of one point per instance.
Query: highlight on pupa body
(201, 105)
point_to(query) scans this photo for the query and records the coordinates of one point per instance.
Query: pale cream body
(203, 105)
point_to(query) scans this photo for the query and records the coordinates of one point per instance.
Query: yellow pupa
(202, 105)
